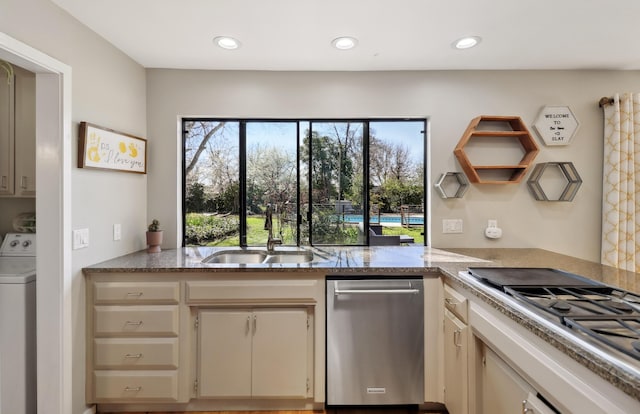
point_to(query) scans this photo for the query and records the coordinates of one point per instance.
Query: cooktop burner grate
(621, 333)
(604, 314)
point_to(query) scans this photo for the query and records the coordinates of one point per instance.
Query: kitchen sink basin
(259, 256)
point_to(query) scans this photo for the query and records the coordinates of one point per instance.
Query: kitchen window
(319, 181)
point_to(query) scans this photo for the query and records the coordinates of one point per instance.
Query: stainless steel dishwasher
(375, 341)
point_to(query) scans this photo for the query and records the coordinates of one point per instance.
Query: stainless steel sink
(259, 256)
(289, 257)
(236, 256)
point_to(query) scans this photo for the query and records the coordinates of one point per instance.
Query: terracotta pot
(154, 240)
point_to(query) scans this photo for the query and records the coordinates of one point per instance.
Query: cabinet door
(455, 364)
(502, 389)
(224, 353)
(280, 353)
(6, 135)
(25, 135)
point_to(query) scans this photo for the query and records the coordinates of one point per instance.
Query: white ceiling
(392, 34)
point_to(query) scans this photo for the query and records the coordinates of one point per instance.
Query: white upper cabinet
(17, 134)
(6, 134)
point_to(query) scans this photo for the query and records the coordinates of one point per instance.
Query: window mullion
(242, 190)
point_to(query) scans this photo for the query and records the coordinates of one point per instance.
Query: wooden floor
(329, 411)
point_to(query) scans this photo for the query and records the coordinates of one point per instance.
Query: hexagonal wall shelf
(452, 185)
(569, 173)
(511, 127)
(556, 125)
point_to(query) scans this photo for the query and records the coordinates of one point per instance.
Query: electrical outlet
(452, 225)
(117, 232)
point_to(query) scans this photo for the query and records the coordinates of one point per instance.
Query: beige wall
(109, 90)
(449, 99)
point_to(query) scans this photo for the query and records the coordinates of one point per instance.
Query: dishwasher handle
(376, 291)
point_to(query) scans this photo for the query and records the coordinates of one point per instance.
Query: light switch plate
(452, 225)
(117, 232)
(80, 239)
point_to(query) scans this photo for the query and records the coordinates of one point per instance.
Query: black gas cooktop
(604, 313)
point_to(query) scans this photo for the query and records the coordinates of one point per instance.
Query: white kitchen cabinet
(255, 353)
(456, 352)
(17, 135)
(205, 341)
(25, 135)
(456, 349)
(7, 141)
(133, 347)
(502, 391)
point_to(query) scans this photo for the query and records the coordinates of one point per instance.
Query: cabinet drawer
(136, 320)
(253, 291)
(136, 292)
(456, 303)
(136, 386)
(138, 353)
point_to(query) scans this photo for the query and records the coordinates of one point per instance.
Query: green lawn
(417, 232)
(257, 235)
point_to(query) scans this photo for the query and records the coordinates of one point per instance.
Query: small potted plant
(154, 237)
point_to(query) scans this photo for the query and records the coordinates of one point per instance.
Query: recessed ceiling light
(344, 42)
(226, 42)
(466, 42)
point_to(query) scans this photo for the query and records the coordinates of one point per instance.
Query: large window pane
(337, 186)
(271, 151)
(329, 182)
(396, 177)
(211, 182)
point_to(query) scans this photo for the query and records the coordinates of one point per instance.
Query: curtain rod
(605, 101)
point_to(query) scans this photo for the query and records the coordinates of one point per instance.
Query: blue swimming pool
(357, 218)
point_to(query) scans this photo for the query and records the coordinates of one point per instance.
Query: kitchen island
(447, 264)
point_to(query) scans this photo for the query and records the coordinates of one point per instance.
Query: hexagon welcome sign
(556, 125)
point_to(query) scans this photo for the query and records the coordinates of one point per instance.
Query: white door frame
(53, 213)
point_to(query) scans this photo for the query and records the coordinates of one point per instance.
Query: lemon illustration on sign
(122, 147)
(133, 151)
(92, 150)
(93, 154)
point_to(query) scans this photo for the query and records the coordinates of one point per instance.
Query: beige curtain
(621, 183)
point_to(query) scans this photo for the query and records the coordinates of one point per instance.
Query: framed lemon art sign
(107, 149)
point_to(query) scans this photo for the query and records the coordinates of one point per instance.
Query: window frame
(242, 164)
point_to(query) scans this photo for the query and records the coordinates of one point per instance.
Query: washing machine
(18, 324)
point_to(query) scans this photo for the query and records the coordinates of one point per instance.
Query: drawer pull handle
(136, 294)
(133, 389)
(451, 302)
(133, 356)
(136, 323)
(23, 182)
(456, 338)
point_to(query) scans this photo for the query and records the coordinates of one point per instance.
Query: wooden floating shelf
(511, 127)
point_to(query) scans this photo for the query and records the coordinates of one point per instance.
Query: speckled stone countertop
(404, 259)
(328, 259)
